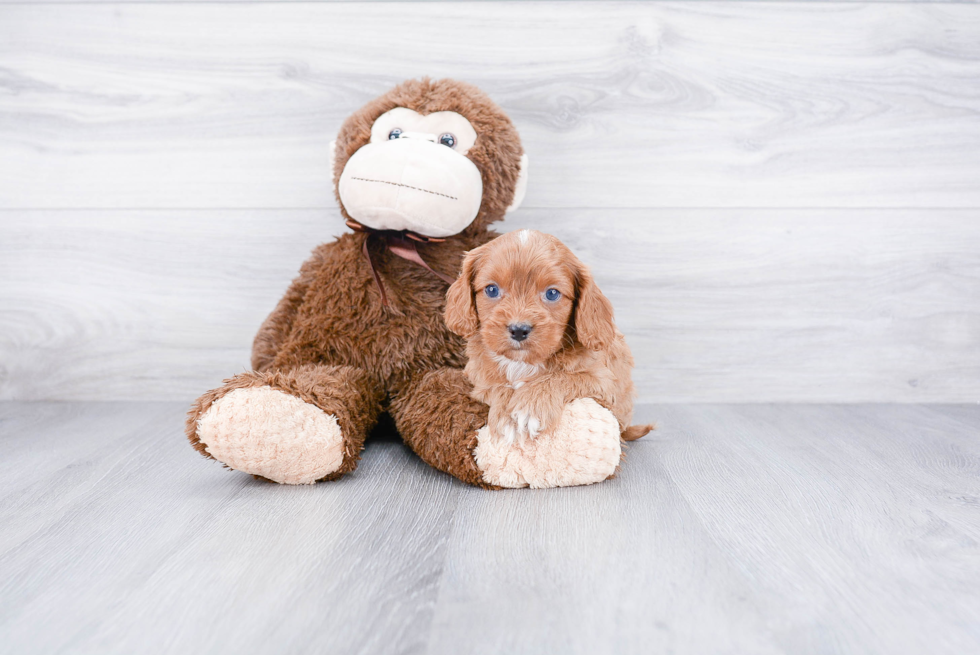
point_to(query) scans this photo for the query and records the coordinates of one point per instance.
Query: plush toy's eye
(551, 295)
(395, 133)
(492, 291)
(448, 140)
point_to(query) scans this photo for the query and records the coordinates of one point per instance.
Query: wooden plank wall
(782, 199)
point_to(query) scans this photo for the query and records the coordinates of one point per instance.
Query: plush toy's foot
(584, 448)
(266, 432)
(292, 427)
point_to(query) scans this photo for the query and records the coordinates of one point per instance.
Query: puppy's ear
(594, 326)
(461, 315)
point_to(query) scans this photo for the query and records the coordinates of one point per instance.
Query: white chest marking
(516, 372)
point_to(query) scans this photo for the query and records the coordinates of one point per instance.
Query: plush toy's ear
(594, 325)
(521, 187)
(461, 316)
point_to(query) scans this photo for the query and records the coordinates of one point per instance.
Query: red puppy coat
(540, 335)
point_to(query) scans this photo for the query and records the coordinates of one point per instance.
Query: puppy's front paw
(526, 423)
(502, 426)
(509, 432)
(537, 417)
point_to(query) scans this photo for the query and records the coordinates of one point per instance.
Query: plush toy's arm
(277, 325)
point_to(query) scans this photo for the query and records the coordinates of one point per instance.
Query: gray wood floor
(732, 529)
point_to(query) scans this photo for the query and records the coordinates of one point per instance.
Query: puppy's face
(527, 295)
(524, 291)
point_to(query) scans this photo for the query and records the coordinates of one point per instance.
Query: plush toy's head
(432, 157)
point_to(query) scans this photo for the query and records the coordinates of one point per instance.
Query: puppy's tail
(634, 432)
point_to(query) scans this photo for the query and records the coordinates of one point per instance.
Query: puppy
(540, 335)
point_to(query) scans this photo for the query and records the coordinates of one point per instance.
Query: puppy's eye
(492, 291)
(395, 133)
(551, 295)
(448, 140)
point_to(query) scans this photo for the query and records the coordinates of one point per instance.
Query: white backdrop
(781, 199)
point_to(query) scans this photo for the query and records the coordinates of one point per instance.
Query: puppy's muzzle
(519, 331)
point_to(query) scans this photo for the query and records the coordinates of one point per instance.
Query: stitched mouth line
(407, 186)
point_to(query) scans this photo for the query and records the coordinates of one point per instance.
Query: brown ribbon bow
(400, 243)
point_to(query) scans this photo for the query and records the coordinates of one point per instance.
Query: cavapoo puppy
(540, 335)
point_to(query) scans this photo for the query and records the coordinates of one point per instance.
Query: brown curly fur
(331, 342)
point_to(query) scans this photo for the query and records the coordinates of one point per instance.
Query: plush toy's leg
(293, 427)
(584, 448)
(438, 419)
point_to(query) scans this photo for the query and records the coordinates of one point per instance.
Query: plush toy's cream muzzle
(412, 183)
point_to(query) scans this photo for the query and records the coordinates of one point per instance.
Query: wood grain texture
(404, 2)
(117, 305)
(751, 529)
(839, 517)
(734, 305)
(798, 529)
(638, 115)
(137, 544)
(619, 104)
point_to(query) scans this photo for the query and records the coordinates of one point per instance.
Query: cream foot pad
(583, 449)
(266, 432)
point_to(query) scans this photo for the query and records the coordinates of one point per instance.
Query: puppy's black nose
(519, 331)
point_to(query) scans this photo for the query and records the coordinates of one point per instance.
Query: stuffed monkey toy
(420, 174)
